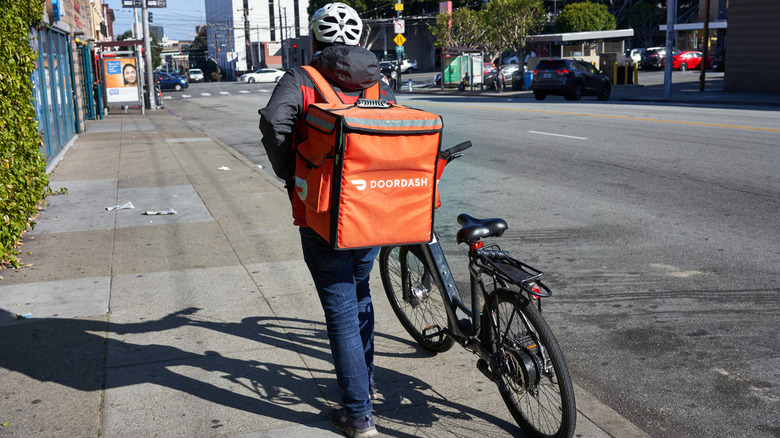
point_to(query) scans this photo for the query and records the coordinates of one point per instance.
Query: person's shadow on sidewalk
(72, 353)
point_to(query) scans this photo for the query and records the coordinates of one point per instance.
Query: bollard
(625, 73)
(409, 84)
(636, 74)
(614, 74)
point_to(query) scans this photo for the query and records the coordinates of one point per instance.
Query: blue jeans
(341, 278)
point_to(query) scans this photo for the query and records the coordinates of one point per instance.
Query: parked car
(262, 75)
(196, 75)
(689, 59)
(388, 69)
(168, 81)
(509, 70)
(570, 78)
(487, 67)
(654, 56)
(408, 66)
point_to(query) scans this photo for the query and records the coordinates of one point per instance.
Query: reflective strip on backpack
(390, 125)
(323, 124)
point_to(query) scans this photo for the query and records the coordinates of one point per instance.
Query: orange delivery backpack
(367, 171)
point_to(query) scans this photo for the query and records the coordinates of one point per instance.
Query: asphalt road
(657, 227)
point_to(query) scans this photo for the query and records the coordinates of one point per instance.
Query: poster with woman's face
(121, 80)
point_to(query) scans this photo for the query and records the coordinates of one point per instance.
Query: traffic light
(151, 17)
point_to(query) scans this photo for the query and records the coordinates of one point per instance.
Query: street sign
(399, 39)
(399, 6)
(399, 50)
(399, 26)
(149, 3)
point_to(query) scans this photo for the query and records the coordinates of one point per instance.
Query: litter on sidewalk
(223, 168)
(159, 213)
(121, 207)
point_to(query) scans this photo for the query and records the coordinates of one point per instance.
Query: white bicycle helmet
(337, 23)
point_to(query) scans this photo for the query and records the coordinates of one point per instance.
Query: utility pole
(286, 48)
(705, 50)
(671, 17)
(250, 56)
(148, 48)
(217, 51)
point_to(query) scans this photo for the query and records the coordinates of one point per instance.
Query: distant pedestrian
(464, 83)
(499, 79)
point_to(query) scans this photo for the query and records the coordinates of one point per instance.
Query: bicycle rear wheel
(414, 296)
(533, 380)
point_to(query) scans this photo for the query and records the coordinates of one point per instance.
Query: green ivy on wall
(23, 179)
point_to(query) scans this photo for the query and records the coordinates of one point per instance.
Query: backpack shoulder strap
(326, 91)
(372, 92)
(329, 94)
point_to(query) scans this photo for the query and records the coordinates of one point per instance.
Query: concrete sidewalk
(205, 322)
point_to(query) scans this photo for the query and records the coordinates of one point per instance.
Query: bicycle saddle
(474, 229)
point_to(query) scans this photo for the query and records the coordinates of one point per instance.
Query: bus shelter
(461, 64)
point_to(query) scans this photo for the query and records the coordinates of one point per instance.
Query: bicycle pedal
(437, 331)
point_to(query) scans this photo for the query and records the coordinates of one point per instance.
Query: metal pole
(138, 61)
(250, 56)
(217, 53)
(671, 14)
(705, 51)
(149, 66)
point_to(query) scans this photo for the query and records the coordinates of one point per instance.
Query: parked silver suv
(408, 66)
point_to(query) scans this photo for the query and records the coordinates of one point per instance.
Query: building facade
(62, 81)
(751, 61)
(244, 35)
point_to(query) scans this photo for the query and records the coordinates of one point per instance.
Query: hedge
(23, 179)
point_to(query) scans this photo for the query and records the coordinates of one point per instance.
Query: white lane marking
(169, 97)
(243, 91)
(185, 96)
(205, 94)
(557, 135)
(223, 93)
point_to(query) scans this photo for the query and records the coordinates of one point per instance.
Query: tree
(464, 28)
(154, 44)
(645, 19)
(585, 17)
(199, 54)
(511, 21)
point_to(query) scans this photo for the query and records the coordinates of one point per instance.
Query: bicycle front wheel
(414, 296)
(534, 381)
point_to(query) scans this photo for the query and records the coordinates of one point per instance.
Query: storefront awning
(581, 36)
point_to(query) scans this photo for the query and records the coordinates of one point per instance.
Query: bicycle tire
(424, 313)
(543, 406)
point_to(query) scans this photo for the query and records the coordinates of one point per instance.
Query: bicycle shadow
(76, 353)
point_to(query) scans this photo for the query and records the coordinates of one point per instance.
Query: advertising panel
(121, 80)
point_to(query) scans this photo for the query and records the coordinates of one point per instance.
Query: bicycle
(517, 349)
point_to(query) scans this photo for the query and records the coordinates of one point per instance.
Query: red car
(688, 59)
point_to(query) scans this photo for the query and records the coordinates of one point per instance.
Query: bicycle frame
(516, 348)
(465, 324)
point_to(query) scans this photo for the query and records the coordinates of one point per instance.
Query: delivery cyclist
(340, 276)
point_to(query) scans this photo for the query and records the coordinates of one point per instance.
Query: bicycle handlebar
(451, 153)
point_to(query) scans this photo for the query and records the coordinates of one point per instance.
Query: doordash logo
(362, 184)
